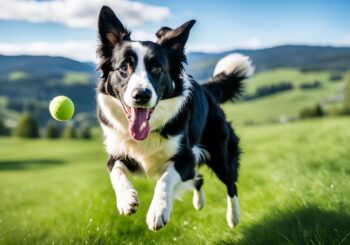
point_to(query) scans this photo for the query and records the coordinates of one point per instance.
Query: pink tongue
(139, 125)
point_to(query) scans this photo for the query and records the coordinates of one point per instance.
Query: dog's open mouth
(139, 122)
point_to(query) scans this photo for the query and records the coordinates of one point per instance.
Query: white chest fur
(154, 152)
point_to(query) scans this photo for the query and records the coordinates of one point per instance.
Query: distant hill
(201, 65)
(31, 81)
(42, 65)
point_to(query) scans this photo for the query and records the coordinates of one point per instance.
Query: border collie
(157, 120)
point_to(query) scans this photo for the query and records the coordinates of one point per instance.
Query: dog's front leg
(127, 200)
(159, 211)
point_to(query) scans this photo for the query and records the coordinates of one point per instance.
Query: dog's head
(140, 73)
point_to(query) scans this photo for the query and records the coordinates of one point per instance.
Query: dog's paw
(127, 201)
(233, 213)
(158, 214)
(198, 199)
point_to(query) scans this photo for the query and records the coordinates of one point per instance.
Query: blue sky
(68, 28)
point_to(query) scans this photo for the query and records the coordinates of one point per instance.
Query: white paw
(233, 213)
(127, 201)
(158, 214)
(198, 199)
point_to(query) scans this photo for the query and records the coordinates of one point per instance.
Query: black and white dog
(156, 119)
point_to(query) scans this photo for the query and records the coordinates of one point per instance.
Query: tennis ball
(61, 108)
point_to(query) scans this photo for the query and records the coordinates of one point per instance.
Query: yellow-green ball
(61, 108)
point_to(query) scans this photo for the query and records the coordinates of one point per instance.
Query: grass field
(76, 78)
(293, 188)
(17, 75)
(288, 103)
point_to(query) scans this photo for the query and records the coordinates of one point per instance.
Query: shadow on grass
(305, 226)
(28, 164)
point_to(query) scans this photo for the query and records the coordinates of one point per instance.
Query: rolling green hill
(288, 103)
(30, 82)
(41, 65)
(300, 57)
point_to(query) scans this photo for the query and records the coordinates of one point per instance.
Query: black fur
(130, 163)
(225, 87)
(198, 183)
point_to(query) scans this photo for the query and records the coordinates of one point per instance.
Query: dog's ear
(162, 31)
(175, 39)
(111, 30)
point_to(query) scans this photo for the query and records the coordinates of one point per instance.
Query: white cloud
(80, 13)
(342, 42)
(253, 43)
(78, 50)
(210, 48)
(86, 50)
(74, 49)
(142, 35)
(257, 43)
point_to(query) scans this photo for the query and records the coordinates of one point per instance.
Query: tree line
(318, 111)
(28, 127)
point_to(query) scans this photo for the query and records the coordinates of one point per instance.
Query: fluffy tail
(229, 73)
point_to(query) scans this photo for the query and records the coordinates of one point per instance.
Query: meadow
(288, 103)
(293, 189)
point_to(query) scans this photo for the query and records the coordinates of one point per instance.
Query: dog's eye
(123, 69)
(156, 69)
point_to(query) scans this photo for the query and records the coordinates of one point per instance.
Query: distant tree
(3, 129)
(15, 105)
(319, 111)
(335, 77)
(347, 95)
(267, 90)
(69, 132)
(52, 131)
(312, 85)
(84, 132)
(27, 127)
(316, 111)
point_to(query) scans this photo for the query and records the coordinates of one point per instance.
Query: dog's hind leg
(126, 195)
(228, 177)
(198, 193)
(224, 161)
(233, 212)
(201, 156)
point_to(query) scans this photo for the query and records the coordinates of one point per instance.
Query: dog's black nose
(141, 96)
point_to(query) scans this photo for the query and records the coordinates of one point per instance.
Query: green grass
(293, 187)
(288, 103)
(10, 116)
(17, 75)
(294, 76)
(76, 78)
